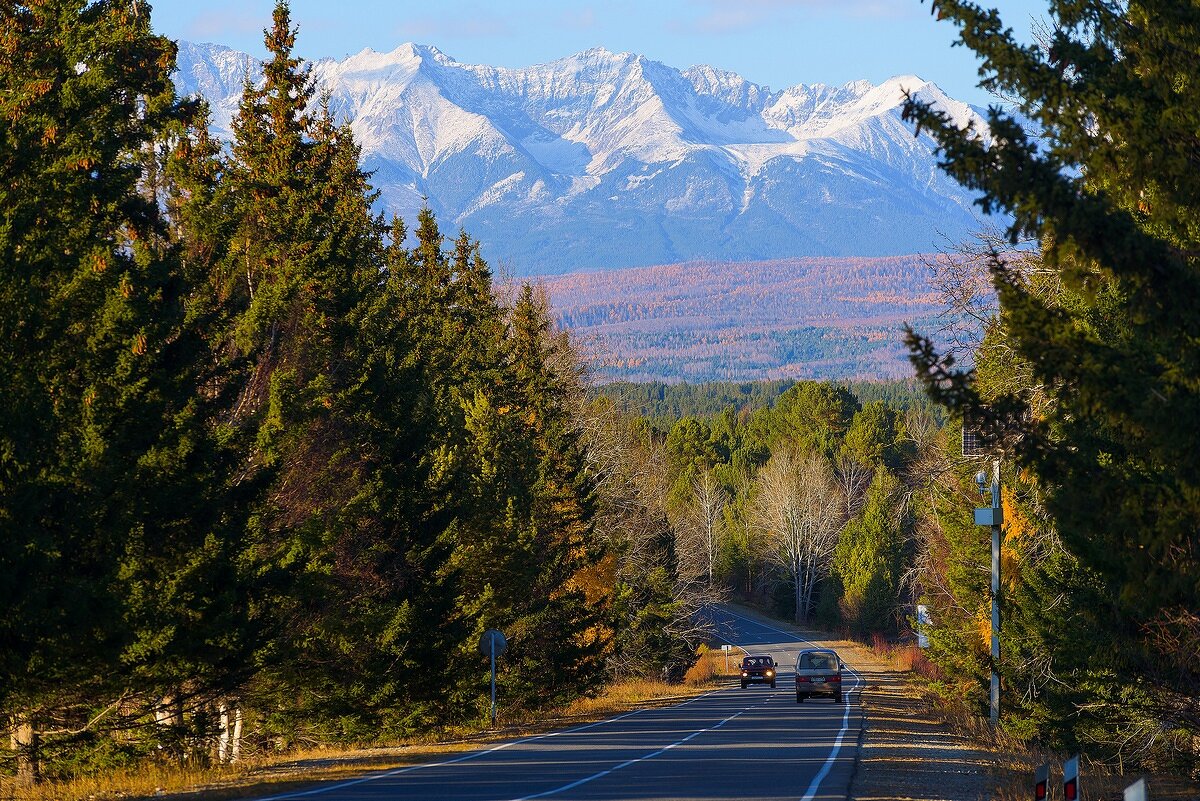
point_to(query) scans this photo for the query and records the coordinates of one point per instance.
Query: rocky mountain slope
(604, 160)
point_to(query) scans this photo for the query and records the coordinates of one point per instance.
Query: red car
(758, 669)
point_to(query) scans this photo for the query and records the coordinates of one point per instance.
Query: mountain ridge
(603, 160)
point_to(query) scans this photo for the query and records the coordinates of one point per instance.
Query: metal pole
(995, 689)
(493, 641)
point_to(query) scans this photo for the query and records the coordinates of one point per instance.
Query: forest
(801, 318)
(269, 455)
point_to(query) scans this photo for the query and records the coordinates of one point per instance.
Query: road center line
(627, 763)
(815, 786)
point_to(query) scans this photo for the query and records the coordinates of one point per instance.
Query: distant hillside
(825, 318)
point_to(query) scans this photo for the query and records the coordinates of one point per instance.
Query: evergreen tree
(1110, 191)
(876, 437)
(867, 560)
(120, 578)
(535, 557)
(813, 416)
(339, 417)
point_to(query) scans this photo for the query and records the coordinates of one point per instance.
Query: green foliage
(119, 535)
(663, 404)
(813, 416)
(258, 452)
(867, 562)
(1109, 189)
(876, 437)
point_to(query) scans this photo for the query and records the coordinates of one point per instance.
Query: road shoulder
(906, 752)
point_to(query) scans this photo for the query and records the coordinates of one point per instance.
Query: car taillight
(744, 673)
(770, 673)
(804, 679)
(835, 678)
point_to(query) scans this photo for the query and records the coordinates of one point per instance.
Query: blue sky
(774, 42)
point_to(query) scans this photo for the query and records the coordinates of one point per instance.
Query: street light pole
(993, 517)
(996, 521)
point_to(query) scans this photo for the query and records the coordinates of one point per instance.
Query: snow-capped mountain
(609, 159)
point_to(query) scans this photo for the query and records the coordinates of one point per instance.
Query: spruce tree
(336, 413)
(867, 560)
(1109, 189)
(119, 580)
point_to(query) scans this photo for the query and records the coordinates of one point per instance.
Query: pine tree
(340, 418)
(1110, 192)
(566, 628)
(813, 416)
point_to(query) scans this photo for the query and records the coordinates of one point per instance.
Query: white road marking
(815, 786)
(627, 763)
(464, 758)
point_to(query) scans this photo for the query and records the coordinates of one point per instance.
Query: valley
(829, 318)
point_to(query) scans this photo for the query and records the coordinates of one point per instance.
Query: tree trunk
(796, 577)
(229, 742)
(169, 717)
(223, 736)
(235, 744)
(25, 742)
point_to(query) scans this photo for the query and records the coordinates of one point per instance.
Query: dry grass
(274, 774)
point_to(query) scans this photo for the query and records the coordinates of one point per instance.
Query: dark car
(758, 669)
(818, 672)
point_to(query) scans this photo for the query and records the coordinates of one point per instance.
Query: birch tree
(709, 500)
(799, 508)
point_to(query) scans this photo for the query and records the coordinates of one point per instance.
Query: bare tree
(633, 482)
(800, 509)
(854, 478)
(703, 523)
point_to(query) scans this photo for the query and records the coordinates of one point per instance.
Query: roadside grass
(261, 775)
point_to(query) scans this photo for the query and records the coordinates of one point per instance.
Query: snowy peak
(604, 158)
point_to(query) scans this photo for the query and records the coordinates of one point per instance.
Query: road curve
(755, 744)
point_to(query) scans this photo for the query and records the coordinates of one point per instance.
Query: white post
(223, 737)
(235, 747)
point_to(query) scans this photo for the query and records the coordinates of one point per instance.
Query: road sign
(492, 642)
(726, 647)
(1071, 779)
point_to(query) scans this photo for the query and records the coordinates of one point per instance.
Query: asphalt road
(749, 745)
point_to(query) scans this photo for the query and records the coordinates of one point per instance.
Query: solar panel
(973, 443)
